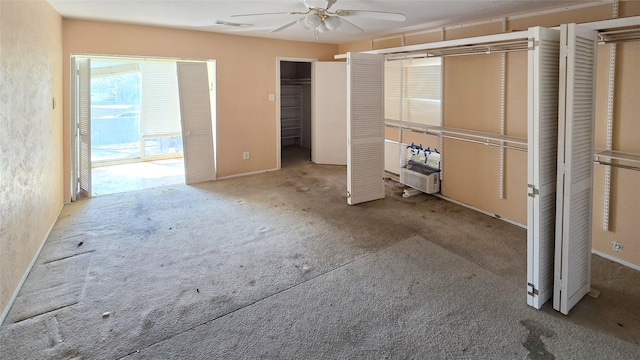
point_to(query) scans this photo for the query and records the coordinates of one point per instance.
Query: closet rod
(628, 167)
(432, 55)
(484, 143)
(438, 133)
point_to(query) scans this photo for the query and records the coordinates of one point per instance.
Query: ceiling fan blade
(275, 13)
(380, 15)
(348, 26)
(284, 26)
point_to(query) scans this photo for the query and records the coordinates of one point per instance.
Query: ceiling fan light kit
(313, 21)
(332, 22)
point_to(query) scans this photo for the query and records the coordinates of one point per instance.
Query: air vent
(229, 23)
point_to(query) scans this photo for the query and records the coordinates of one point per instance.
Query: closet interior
(295, 109)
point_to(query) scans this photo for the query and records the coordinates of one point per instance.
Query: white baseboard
(5, 312)
(246, 174)
(615, 259)
(512, 222)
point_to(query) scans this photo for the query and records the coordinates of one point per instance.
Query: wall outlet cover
(245, 155)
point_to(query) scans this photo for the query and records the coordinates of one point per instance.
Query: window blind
(413, 90)
(159, 104)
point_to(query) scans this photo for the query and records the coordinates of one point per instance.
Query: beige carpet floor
(277, 266)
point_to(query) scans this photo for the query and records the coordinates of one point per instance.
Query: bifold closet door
(575, 166)
(329, 113)
(542, 135)
(195, 112)
(365, 127)
(84, 125)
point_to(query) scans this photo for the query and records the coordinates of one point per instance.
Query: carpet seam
(384, 247)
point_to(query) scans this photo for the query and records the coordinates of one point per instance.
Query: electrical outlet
(272, 97)
(245, 155)
(616, 246)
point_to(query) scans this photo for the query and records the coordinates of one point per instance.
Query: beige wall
(471, 101)
(246, 74)
(30, 135)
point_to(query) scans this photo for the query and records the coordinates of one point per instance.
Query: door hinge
(533, 291)
(532, 191)
(564, 51)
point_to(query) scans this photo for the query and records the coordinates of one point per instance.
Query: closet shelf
(478, 137)
(604, 157)
(295, 81)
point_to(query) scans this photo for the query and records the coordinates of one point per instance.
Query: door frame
(73, 110)
(280, 59)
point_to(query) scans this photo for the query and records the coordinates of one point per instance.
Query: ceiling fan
(321, 19)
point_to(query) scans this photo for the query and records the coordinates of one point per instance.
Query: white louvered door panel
(575, 166)
(195, 112)
(365, 127)
(84, 126)
(542, 154)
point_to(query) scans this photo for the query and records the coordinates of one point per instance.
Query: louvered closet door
(365, 127)
(84, 125)
(329, 118)
(575, 166)
(542, 135)
(195, 112)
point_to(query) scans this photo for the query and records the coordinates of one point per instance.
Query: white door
(329, 113)
(575, 166)
(83, 114)
(195, 112)
(542, 134)
(365, 127)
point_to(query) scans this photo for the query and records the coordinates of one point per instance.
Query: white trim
(493, 215)
(138, 57)
(73, 130)
(246, 174)
(615, 259)
(280, 59)
(5, 312)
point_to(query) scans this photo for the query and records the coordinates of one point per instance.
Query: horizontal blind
(422, 91)
(159, 104)
(392, 89)
(413, 90)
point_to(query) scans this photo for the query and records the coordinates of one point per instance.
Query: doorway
(131, 119)
(294, 142)
(133, 149)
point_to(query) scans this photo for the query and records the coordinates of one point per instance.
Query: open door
(365, 127)
(575, 166)
(542, 135)
(329, 113)
(197, 129)
(83, 114)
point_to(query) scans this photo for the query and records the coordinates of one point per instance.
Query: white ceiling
(201, 14)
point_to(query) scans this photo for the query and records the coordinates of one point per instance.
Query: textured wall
(30, 135)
